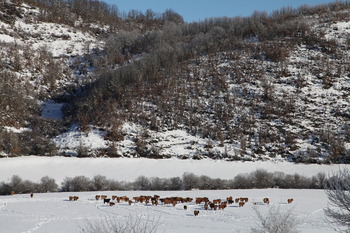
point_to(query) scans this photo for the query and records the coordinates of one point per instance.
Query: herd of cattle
(156, 200)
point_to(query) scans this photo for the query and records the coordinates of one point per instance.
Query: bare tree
(337, 189)
(48, 184)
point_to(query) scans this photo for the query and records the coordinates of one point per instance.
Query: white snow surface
(128, 169)
(74, 139)
(54, 213)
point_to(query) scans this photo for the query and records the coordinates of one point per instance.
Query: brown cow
(290, 200)
(114, 197)
(241, 203)
(223, 205)
(167, 201)
(111, 204)
(130, 202)
(75, 198)
(196, 212)
(103, 197)
(71, 198)
(266, 200)
(174, 202)
(142, 199)
(199, 200)
(206, 206)
(97, 197)
(217, 201)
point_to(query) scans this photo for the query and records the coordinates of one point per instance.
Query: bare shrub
(276, 221)
(276, 53)
(133, 224)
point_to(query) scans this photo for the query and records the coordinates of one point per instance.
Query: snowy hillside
(60, 40)
(266, 87)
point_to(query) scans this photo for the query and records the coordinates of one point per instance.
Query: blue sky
(195, 10)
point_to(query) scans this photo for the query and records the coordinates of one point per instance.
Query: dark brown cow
(97, 197)
(114, 197)
(196, 212)
(241, 203)
(31, 195)
(290, 200)
(185, 207)
(111, 204)
(155, 202)
(212, 205)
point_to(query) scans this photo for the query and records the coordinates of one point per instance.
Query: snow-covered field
(53, 212)
(128, 169)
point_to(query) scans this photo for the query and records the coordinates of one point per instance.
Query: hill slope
(262, 87)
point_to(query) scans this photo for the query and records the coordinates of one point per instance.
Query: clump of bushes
(18, 185)
(257, 179)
